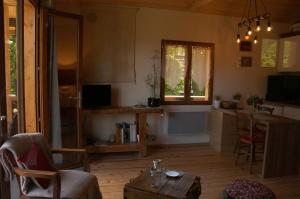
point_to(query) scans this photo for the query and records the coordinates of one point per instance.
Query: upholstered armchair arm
(51, 175)
(68, 150)
(83, 153)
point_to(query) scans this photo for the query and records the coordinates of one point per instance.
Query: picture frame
(246, 61)
(246, 46)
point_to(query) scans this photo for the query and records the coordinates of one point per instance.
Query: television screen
(96, 96)
(284, 88)
(275, 88)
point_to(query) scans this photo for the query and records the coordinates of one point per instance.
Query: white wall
(153, 25)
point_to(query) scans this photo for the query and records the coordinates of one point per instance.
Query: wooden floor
(215, 170)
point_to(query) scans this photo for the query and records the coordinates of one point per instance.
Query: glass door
(62, 60)
(8, 77)
(9, 68)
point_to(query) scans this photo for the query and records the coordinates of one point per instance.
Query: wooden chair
(249, 137)
(63, 183)
(266, 110)
(258, 126)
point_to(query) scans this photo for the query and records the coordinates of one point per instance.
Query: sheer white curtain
(54, 105)
(200, 70)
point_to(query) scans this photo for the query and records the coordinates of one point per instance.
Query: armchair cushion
(17, 146)
(74, 184)
(35, 159)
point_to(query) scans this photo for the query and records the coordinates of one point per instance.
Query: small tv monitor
(96, 96)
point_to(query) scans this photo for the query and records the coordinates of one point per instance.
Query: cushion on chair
(35, 159)
(74, 185)
(256, 138)
(245, 189)
(255, 130)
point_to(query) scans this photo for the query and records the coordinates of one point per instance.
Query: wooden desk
(282, 144)
(141, 120)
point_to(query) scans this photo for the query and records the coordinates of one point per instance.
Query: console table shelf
(125, 109)
(113, 148)
(141, 120)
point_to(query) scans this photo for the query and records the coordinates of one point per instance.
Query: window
(187, 72)
(269, 52)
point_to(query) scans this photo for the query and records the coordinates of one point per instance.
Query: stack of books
(126, 133)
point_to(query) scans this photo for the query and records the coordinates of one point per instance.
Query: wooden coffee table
(185, 187)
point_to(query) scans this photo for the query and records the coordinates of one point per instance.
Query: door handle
(79, 101)
(2, 118)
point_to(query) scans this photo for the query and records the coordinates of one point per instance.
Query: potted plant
(217, 101)
(152, 82)
(253, 101)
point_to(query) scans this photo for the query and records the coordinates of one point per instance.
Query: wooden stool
(247, 189)
(249, 137)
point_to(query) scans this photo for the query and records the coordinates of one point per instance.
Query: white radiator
(187, 123)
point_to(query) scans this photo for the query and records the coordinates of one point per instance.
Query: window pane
(291, 50)
(175, 71)
(268, 53)
(11, 65)
(201, 61)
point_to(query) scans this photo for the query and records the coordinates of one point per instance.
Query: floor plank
(216, 171)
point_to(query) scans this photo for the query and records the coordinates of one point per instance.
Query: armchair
(71, 184)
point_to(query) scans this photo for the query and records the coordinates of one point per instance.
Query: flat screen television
(96, 96)
(284, 88)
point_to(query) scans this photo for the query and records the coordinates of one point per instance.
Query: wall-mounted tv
(96, 96)
(284, 88)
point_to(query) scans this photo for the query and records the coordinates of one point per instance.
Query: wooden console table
(141, 119)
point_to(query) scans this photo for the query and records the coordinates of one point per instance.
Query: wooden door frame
(3, 185)
(20, 76)
(36, 5)
(44, 67)
(2, 73)
(20, 68)
(20, 59)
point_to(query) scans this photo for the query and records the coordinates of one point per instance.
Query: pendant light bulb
(258, 26)
(269, 28)
(255, 40)
(238, 40)
(249, 32)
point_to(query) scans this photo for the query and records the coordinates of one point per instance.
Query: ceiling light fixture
(255, 13)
